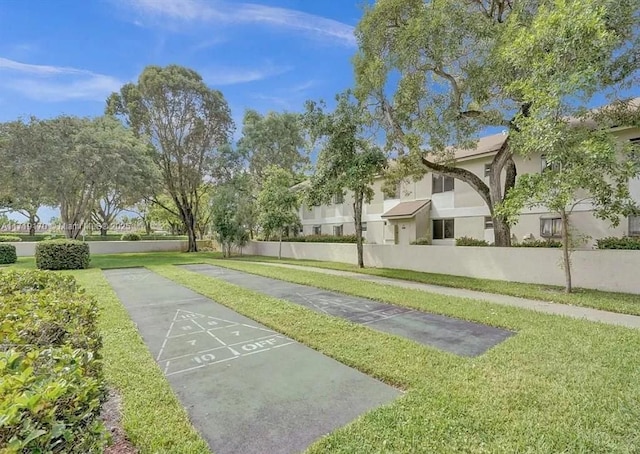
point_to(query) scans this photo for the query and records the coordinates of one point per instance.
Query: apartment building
(442, 209)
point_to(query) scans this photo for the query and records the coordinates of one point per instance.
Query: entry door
(396, 234)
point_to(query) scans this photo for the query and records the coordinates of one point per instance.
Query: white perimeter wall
(612, 270)
(27, 249)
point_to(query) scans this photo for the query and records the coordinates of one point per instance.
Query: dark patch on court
(445, 333)
(247, 388)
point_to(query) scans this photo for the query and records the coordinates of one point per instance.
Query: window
(364, 226)
(443, 229)
(317, 230)
(487, 170)
(337, 230)
(395, 195)
(546, 165)
(488, 222)
(440, 183)
(338, 199)
(634, 225)
(551, 228)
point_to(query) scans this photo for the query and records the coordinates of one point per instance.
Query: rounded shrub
(62, 254)
(9, 238)
(131, 237)
(8, 254)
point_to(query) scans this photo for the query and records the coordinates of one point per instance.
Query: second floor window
(395, 195)
(440, 183)
(338, 199)
(546, 165)
(487, 170)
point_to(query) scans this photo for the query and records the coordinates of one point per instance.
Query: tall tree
(22, 147)
(85, 155)
(277, 203)
(185, 122)
(449, 69)
(272, 139)
(227, 219)
(347, 159)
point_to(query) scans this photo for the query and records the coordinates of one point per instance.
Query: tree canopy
(439, 73)
(186, 122)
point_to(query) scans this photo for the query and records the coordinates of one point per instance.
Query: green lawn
(623, 303)
(559, 385)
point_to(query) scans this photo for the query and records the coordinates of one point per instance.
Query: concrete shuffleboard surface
(246, 388)
(445, 333)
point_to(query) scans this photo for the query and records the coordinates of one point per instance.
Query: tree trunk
(357, 214)
(33, 220)
(147, 227)
(280, 246)
(103, 230)
(566, 256)
(501, 232)
(190, 224)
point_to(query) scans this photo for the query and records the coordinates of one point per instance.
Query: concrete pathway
(248, 389)
(450, 334)
(594, 315)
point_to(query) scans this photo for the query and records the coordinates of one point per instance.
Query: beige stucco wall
(28, 249)
(605, 270)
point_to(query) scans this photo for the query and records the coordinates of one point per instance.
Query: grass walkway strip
(559, 385)
(623, 303)
(153, 418)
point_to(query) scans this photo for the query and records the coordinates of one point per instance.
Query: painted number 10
(207, 357)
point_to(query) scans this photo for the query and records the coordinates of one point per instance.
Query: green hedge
(131, 237)
(321, 239)
(9, 239)
(51, 382)
(626, 242)
(8, 254)
(421, 242)
(62, 255)
(468, 241)
(539, 243)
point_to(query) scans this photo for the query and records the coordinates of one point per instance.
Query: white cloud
(232, 76)
(190, 11)
(55, 83)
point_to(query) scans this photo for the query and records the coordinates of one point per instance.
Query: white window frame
(634, 225)
(338, 228)
(551, 227)
(338, 199)
(444, 236)
(363, 225)
(487, 170)
(488, 222)
(317, 230)
(443, 179)
(544, 165)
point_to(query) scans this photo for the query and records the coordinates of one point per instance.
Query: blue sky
(67, 56)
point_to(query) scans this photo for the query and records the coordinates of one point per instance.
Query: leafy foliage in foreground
(62, 255)
(467, 241)
(322, 239)
(9, 238)
(51, 385)
(130, 237)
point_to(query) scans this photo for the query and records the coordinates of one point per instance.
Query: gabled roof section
(406, 210)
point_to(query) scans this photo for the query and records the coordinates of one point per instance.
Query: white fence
(28, 249)
(612, 270)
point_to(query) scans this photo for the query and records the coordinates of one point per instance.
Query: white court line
(250, 341)
(284, 345)
(166, 367)
(162, 348)
(385, 318)
(203, 365)
(216, 338)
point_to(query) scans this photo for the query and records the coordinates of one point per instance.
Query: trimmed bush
(52, 385)
(626, 242)
(8, 254)
(421, 242)
(62, 254)
(468, 241)
(9, 239)
(322, 239)
(130, 237)
(539, 243)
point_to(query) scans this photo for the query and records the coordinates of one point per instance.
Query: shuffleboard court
(446, 333)
(247, 388)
